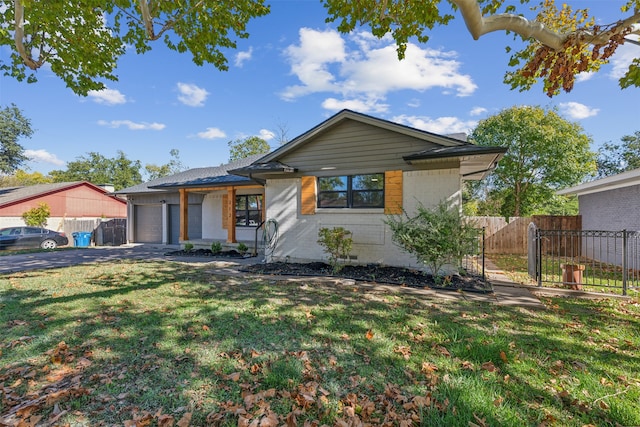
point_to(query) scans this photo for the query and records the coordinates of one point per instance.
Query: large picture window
(351, 191)
(248, 210)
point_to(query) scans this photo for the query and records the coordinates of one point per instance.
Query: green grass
(146, 342)
(597, 276)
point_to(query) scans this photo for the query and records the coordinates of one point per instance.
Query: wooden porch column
(231, 215)
(184, 215)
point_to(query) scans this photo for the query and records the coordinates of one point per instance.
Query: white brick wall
(298, 234)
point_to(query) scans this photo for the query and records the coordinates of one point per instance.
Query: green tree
(242, 148)
(545, 153)
(13, 125)
(559, 42)
(37, 217)
(174, 166)
(22, 178)
(98, 169)
(617, 158)
(83, 40)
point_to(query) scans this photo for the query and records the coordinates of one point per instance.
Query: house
(607, 207)
(352, 170)
(66, 201)
(609, 203)
(192, 206)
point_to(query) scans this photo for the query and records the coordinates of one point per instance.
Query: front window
(248, 210)
(351, 191)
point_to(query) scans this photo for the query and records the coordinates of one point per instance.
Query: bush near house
(435, 237)
(337, 244)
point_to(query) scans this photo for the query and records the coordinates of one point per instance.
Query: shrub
(434, 237)
(37, 217)
(216, 247)
(336, 243)
(242, 248)
(188, 247)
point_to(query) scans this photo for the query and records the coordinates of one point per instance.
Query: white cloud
(440, 125)
(107, 96)
(211, 133)
(477, 111)
(242, 57)
(131, 125)
(192, 95)
(368, 68)
(414, 103)
(623, 57)
(576, 111)
(267, 135)
(311, 59)
(43, 156)
(368, 105)
(583, 77)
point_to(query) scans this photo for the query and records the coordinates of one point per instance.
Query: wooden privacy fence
(510, 237)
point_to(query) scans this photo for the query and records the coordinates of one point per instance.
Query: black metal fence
(597, 260)
(474, 261)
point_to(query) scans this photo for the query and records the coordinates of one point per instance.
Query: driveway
(55, 259)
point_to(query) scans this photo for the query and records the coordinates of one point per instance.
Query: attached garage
(148, 223)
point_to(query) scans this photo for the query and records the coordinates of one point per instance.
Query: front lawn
(158, 343)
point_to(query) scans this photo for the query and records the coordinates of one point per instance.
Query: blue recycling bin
(81, 238)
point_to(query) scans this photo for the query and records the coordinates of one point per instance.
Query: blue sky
(292, 73)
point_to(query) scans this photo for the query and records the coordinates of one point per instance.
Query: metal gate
(596, 260)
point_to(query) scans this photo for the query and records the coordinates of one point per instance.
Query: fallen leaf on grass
(233, 377)
(404, 350)
(428, 367)
(369, 334)
(443, 351)
(489, 366)
(185, 421)
(165, 420)
(503, 356)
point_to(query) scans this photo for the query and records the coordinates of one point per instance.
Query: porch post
(231, 214)
(184, 215)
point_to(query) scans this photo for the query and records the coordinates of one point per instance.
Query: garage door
(148, 223)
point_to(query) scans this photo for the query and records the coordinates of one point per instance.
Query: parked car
(31, 237)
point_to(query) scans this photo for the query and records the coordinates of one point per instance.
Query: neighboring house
(66, 200)
(350, 171)
(609, 203)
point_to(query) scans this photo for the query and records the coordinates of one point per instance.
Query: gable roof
(12, 195)
(447, 141)
(197, 177)
(476, 161)
(621, 180)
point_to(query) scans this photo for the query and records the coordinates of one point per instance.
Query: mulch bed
(364, 273)
(374, 273)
